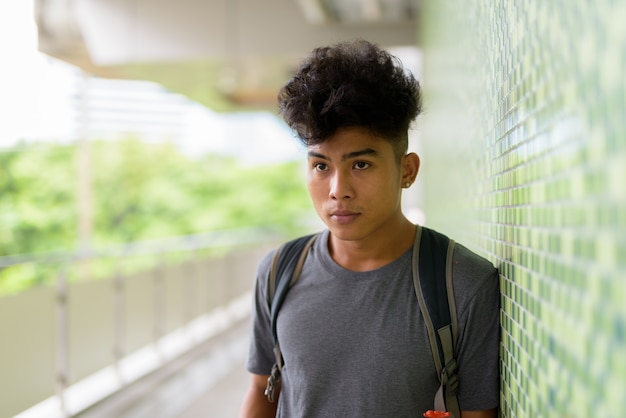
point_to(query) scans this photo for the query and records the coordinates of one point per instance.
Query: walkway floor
(209, 382)
(223, 400)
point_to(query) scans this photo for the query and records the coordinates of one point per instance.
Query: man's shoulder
(471, 262)
(468, 262)
(472, 275)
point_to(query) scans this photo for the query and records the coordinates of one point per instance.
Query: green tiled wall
(524, 161)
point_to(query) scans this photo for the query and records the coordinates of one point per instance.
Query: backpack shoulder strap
(284, 271)
(432, 278)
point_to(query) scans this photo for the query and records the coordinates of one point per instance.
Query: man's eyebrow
(353, 154)
(317, 155)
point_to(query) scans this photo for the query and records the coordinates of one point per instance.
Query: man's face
(355, 182)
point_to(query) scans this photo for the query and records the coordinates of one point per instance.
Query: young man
(352, 336)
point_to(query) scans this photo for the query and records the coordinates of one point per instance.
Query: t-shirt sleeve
(478, 343)
(260, 354)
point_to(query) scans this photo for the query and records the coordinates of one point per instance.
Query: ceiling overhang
(241, 49)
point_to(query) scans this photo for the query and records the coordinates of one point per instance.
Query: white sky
(20, 65)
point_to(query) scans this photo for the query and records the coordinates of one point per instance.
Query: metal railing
(162, 298)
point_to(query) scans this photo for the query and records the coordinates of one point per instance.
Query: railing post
(190, 295)
(62, 377)
(159, 307)
(119, 312)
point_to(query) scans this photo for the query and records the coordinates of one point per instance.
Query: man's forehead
(351, 139)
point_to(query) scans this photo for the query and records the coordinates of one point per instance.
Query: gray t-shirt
(355, 343)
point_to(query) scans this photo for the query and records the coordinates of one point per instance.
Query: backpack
(432, 280)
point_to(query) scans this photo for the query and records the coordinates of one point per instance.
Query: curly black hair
(351, 84)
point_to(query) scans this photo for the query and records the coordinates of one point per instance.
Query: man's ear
(410, 168)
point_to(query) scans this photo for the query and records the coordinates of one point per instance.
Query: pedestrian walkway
(223, 400)
(208, 382)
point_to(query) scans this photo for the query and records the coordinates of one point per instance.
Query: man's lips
(343, 216)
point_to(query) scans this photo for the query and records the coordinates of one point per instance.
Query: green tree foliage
(140, 191)
(37, 199)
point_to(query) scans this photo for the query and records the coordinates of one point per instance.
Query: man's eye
(320, 167)
(361, 165)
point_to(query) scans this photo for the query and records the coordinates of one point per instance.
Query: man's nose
(340, 187)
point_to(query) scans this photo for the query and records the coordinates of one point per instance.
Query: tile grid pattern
(543, 186)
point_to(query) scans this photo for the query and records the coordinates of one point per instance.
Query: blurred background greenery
(140, 191)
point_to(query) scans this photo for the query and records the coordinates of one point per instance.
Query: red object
(436, 414)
